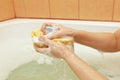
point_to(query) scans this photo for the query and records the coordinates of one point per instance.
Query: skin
(109, 42)
(106, 41)
(81, 68)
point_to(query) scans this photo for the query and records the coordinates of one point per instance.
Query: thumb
(46, 41)
(57, 34)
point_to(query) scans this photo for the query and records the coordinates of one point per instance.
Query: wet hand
(57, 49)
(62, 31)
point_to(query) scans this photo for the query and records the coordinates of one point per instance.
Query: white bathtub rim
(88, 23)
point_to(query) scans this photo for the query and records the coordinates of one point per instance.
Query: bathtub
(16, 45)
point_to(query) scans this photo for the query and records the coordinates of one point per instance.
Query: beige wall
(32, 8)
(66, 9)
(96, 9)
(116, 16)
(6, 9)
(105, 10)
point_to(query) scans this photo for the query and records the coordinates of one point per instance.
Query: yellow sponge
(37, 33)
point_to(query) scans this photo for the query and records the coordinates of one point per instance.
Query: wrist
(74, 33)
(68, 55)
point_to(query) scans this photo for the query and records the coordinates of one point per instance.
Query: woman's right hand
(57, 49)
(62, 31)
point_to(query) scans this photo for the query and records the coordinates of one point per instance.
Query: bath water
(58, 70)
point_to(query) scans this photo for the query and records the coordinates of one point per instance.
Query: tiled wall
(6, 9)
(32, 8)
(64, 9)
(116, 16)
(105, 10)
(96, 9)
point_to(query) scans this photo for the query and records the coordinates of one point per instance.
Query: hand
(57, 49)
(62, 31)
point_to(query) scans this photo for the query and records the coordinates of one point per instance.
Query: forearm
(102, 41)
(83, 70)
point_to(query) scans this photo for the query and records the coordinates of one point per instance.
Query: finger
(42, 50)
(67, 46)
(57, 34)
(36, 47)
(44, 27)
(60, 44)
(46, 41)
